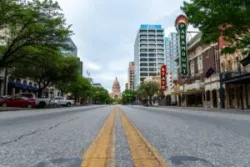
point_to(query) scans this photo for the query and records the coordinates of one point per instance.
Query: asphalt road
(60, 137)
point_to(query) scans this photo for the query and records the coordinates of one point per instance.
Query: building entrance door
(214, 96)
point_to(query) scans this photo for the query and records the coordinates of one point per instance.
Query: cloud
(170, 29)
(91, 66)
(105, 32)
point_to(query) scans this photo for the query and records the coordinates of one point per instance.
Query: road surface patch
(101, 152)
(142, 152)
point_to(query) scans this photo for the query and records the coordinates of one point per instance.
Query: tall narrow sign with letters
(181, 26)
(163, 77)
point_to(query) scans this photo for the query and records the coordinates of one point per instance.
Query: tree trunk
(150, 100)
(75, 99)
(40, 93)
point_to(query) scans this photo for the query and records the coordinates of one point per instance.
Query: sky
(105, 31)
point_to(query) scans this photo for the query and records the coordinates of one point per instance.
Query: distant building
(154, 78)
(149, 52)
(126, 86)
(131, 75)
(73, 49)
(116, 90)
(97, 84)
(81, 67)
(90, 80)
(171, 52)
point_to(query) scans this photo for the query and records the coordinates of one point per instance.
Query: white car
(40, 102)
(62, 101)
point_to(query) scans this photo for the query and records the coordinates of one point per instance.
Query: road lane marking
(142, 152)
(101, 151)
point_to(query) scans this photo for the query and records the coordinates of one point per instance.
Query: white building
(149, 52)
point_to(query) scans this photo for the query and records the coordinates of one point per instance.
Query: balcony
(212, 78)
(151, 37)
(152, 46)
(160, 45)
(143, 59)
(143, 32)
(152, 72)
(143, 66)
(197, 85)
(143, 37)
(143, 47)
(150, 42)
(151, 33)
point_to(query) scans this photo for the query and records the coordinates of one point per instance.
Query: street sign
(163, 77)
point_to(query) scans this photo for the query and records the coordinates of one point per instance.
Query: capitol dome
(116, 90)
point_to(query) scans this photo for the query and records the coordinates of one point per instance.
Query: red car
(17, 101)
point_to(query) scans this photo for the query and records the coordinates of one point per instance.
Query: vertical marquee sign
(163, 77)
(181, 26)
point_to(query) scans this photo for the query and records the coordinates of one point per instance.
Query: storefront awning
(239, 79)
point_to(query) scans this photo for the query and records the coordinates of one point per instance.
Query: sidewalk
(231, 110)
(11, 109)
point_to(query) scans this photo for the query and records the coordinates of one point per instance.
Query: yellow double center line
(101, 151)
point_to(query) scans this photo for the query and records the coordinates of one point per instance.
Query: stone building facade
(116, 90)
(215, 80)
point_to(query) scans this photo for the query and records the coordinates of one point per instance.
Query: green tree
(148, 89)
(100, 95)
(46, 68)
(10, 12)
(128, 96)
(79, 87)
(229, 19)
(39, 24)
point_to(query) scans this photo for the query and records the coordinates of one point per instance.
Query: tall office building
(149, 52)
(131, 75)
(171, 51)
(73, 49)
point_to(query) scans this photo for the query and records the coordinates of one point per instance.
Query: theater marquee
(181, 26)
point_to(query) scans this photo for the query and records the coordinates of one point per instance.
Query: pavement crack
(56, 125)
(33, 132)
(19, 138)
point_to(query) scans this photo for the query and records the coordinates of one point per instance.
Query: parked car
(5, 97)
(18, 101)
(62, 101)
(40, 102)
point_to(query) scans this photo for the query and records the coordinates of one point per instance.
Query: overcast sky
(105, 32)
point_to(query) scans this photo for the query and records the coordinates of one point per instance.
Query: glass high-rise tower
(171, 51)
(149, 52)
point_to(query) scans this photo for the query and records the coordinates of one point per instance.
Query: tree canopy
(37, 24)
(128, 96)
(148, 89)
(229, 19)
(46, 68)
(100, 95)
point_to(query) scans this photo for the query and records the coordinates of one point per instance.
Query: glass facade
(171, 52)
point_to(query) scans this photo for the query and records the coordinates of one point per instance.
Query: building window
(222, 67)
(229, 65)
